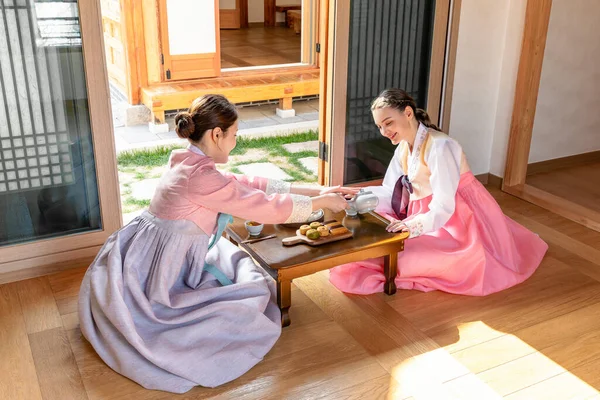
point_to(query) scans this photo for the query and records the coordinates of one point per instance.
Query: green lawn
(139, 165)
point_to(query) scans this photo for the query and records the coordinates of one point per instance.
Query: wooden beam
(537, 17)
(339, 34)
(563, 162)
(451, 65)
(322, 60)
(152, 44)
(558, 205)
(128, 36)
(243, 5)
(252, 87)
(270, 13)
(285, 103)
(436, 65)
(140, 49)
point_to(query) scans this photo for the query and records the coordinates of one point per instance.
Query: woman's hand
(333, 201)
(347, 192)
(397, 226)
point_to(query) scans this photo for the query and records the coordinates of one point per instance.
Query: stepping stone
(265, 170)
(311, 116)
(313, 145)
(311, 164)
(144, 190)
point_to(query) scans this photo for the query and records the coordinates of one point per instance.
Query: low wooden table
(285, 263)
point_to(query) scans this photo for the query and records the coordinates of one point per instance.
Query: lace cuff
(277, 186)
(301, 210)
(415, 227)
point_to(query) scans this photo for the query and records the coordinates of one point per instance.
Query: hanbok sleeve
(444, 162)
(269, 186)
(211, 189)
(386, 189)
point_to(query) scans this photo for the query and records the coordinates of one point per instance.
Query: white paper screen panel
(192, 27)
(35, 147)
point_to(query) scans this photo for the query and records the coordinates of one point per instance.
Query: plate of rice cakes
(318, 233)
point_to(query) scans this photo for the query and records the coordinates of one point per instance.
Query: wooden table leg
(228, 237)
(390, 269)
(284, 300)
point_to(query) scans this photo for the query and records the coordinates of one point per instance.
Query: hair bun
(184, 125)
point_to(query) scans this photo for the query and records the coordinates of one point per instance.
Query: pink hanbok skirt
(477, 252)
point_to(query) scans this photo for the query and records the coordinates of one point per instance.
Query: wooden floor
(580, 184)
(538, 340)
(259, 45)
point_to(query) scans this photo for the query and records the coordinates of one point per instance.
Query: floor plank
(466, 388)
(580, 184)
(55, 365)
(520, 373)
(18, 379)
(493, 353)
(66, 284)
(38, 305)
(413, 360)
(560, 387)
(67, 305)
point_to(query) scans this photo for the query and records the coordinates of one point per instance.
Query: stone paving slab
(312, 145)
(311, 164)
(144, 190)
(311, 116)
(266, 170)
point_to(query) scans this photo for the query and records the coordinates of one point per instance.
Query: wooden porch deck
(284, 85)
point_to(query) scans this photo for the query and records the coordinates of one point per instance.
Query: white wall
(489, 45)
(567, 119)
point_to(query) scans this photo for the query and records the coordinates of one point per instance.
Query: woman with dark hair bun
(460, 241)
(168, 304)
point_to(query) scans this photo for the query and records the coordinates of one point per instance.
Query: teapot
(362, 203)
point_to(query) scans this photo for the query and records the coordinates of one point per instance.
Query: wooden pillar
(325, 109)
(269, 12)
(243, 13)
(537, 17)
(129, 12)
(285, 103)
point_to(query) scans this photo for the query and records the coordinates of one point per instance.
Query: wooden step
(259, 86)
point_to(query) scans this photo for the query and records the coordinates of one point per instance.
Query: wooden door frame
(239, 14)
(167, 58)
(334, 75)
(537, 18)
(326, 20)
(40, 257)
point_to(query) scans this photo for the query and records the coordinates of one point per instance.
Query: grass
(137, 165)
(146, 157)
(272, 143)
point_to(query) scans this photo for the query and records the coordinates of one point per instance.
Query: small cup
(254, 228)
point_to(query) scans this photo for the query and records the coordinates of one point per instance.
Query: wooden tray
(317, 216)
(300, 238)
